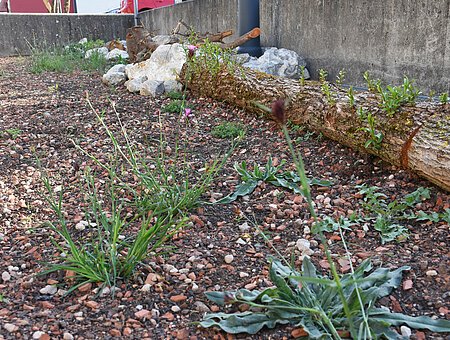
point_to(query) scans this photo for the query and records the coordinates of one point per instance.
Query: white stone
(114, 78)
(152, 88)
(175, 309)
(67, 336)
(10, 327)
(165, 63)
(431, 273)
(116, 54)
(228, 258)
(135, 85)
(279, 62)
(406, 331)
(304, 246)
(100, 50)
(83, 41)
(49, 290)
(146, 288)
(172, 86)
(165, 39)
(244, 227)
(243, 274)
(81, 225)
(117, 68)
(6, 276)
(38, 334)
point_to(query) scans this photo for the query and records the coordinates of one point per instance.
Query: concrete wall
(19, 31)
(389, 38)
(203, 15)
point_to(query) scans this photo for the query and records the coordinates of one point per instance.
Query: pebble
(81, 225)
(49, 290)
(10, 327)
(243, 274)
(201, 307)
(241, 241)
(228, 258)
(194, 287)
(306, 230)
(67, 336)
(406, 331)
(6, 276)
(431, 273)
(175, 309)
(38, 334)
(146, 287)
(304, 246)
(244, 227)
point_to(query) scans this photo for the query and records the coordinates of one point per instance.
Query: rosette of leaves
(310, 300)
(269, 174)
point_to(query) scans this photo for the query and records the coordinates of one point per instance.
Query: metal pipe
(136, 12)
(248, 16)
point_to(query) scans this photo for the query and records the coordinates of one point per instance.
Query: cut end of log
(254, 33)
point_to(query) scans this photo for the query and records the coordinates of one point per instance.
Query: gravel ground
(41, 116)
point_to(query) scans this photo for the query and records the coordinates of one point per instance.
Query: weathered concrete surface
(389, 38)
(203, 15)
(20, 31)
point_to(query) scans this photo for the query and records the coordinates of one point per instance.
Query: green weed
(443, 98)
(326, 88)
(12, 133)
(228, 130)
(375, 137)
(393, 97)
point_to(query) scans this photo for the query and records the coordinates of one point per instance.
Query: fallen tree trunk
(415, 138)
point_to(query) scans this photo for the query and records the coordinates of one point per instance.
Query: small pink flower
(191, 49)
(187, 112)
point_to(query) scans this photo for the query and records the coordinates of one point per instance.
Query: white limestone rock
(279, 62)
(99, 50)
(152, 88)
(116, 53)
(135, 85)
(115, 75)
(164, 64)
(172, 86)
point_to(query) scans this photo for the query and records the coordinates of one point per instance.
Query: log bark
(416, 137)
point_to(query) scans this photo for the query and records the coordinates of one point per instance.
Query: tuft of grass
(228, 130)
(68, 59)
(175, 95)
(175, 106)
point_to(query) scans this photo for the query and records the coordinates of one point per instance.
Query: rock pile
(158, 74)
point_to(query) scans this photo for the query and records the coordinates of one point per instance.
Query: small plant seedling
(375, 137)
(431, 95)
(53, 88)
(302, 75)
(13, 133)
(443, 98)
(323, 74)
(351, 96)
(395, 96)
(228, 130)
(325, 87)
(372, 85)
(340, 78)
